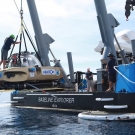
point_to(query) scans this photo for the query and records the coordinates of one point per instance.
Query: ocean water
(25, 121)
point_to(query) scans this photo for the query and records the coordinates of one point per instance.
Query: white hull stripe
(115, 106)
(11, 102)
(61, 94)
(104, 99)
(18, 97)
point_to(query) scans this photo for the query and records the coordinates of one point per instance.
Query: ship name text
(56, 100)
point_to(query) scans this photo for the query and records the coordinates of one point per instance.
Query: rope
(16, 6)
(20, 50)
(24, 42)
(123, 75)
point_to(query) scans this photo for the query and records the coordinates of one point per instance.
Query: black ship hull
(77, 101)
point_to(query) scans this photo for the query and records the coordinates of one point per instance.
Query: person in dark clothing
(6, 47)
(111, 71)
(89, 77)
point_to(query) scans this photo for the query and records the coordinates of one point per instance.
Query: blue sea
(26, 121)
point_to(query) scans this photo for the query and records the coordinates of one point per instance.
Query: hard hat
(110, 55)
(12, 36)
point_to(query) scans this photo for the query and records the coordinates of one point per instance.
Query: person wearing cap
(89, 78)
(6, 47)
(111, 71)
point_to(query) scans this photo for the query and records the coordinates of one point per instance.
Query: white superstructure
(124, 38)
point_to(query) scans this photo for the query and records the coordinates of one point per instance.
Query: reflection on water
(23, 121)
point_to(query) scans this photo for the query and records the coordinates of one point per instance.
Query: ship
(37, 84)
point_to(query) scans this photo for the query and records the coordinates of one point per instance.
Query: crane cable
(21, 15)
(20, 30)
(27, 33)
(24, 24)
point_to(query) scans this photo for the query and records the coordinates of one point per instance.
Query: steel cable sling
(21, 14)
(24, 27)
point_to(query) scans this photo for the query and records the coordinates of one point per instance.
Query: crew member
(111, 71)
(6, 47)
(89, 78)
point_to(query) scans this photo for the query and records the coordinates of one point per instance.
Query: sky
(71, 23)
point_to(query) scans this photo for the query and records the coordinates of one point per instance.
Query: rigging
(23, 28)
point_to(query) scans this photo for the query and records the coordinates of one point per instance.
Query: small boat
(107, 116)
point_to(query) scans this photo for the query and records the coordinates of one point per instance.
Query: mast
(106, 24)
(41, 44)
(106, 30)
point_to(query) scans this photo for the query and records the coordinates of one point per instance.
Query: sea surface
(26, 121)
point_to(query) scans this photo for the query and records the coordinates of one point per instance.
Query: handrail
(123, 75)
